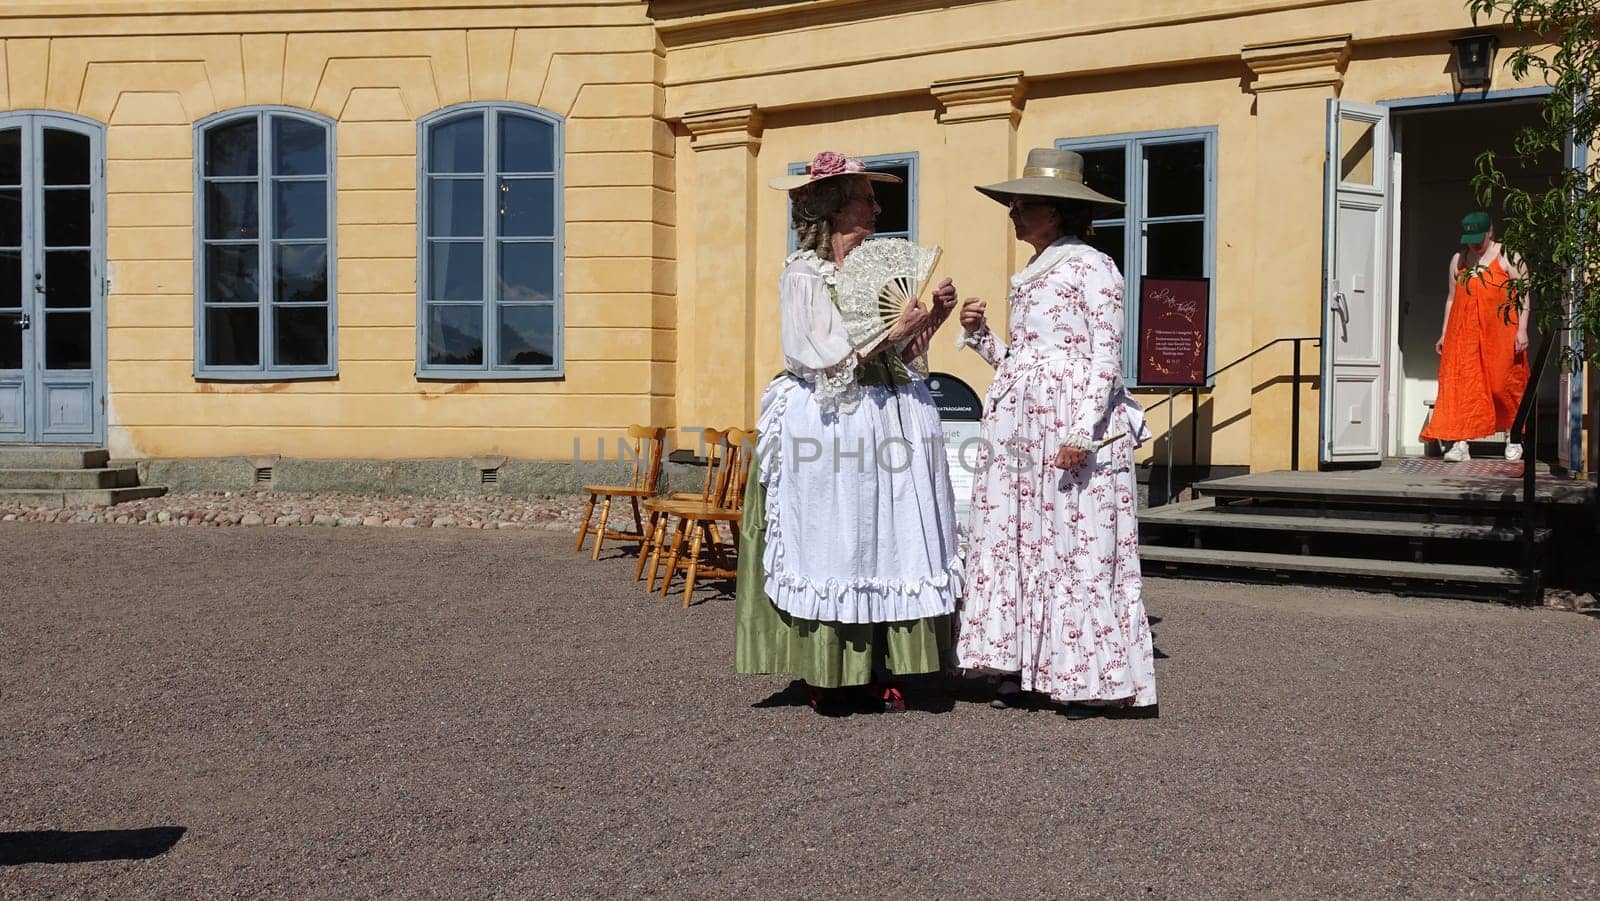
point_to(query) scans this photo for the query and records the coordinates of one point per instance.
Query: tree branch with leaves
(1554, 230)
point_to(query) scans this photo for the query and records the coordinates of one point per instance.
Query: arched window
(489, 225)
(265, 262)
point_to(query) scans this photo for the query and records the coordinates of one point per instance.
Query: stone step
(52, 456)
(1446, 578)
(1388, 489)
(66, 479)
(1207, 514)
(77, 497)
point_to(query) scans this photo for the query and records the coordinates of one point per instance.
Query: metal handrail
(1525, 431)
(1294, 420)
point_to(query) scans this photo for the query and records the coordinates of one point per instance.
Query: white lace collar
(1064, 247)
(825, 268)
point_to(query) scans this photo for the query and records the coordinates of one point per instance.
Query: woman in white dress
(848, 563)
(1053, 602)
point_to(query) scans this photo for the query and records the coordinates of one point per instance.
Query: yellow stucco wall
(375, 73)
(677, 113)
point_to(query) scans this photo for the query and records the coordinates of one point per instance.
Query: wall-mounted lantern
(1475, 59)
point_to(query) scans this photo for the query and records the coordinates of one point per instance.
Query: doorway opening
(1439, 147)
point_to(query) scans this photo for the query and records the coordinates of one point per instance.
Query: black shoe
(1007, 694)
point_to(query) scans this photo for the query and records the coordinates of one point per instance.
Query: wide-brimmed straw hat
(1049, 173)
(829, 164)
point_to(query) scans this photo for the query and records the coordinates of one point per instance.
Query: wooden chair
(715, 442)
(648, 443)
(697, 522)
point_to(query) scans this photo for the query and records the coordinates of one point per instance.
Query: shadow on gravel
(54, 846)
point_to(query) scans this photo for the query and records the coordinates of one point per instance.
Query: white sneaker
(1457, 453)
(1513, 451)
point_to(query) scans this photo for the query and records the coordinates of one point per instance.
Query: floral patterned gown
(1053, 590)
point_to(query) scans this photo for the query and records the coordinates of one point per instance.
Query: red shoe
(894, 701)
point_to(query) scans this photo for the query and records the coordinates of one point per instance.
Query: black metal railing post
(1294, 412)
(1525, 431)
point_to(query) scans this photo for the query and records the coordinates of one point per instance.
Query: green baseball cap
(1475, 227)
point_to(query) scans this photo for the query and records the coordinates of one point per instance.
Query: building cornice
(737, 126)
(1307, 63)
(981, 97)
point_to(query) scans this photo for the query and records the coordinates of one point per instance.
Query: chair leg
(661, 551)
(583, 530)
(714, 542)
(600, 533)
(694, 565)
(638, 521)
(677, 553)
(646, 546)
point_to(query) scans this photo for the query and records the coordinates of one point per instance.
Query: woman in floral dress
(848, 563)
(1053, 601)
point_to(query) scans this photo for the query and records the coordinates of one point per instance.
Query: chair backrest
(715, 442)
(648, 444)
(736, 468)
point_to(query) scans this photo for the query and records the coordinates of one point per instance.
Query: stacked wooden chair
(647, 444)
(721, 500)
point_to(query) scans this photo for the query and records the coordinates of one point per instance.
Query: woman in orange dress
(1483, 349)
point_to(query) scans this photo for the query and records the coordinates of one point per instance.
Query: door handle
(24, 321)
(1342, 307)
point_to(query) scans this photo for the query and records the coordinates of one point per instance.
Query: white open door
(1355, 314)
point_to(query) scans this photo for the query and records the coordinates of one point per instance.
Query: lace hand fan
(877, 281)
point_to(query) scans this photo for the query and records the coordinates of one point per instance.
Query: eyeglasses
(1016, 203)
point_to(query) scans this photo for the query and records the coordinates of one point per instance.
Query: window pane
(66, 157)
(300, 273)
(455, 271)
(302, 336)
(527, 272)
(526, 144)
(233, 273)
(1175, 250)
(1355, 151)
(300, 209)
(455, 207)
(233, 210)
(455, 335)
(11, 156)
(66, 279)
(66, 218)
(298, 147)
(1177, 179)
(1106, 171)
(231, 148)
(10, 279)
(10, 217)
(1109, 240)
(66, 341)
(233, 336)
(456, 146)
(528, 208)
(894, 200)
(10, 340)
(527, 336)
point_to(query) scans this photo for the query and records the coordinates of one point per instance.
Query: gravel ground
(391, 712)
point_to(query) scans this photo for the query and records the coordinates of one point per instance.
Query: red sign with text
(1174, 317)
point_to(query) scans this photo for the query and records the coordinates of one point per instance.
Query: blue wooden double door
(52, 279)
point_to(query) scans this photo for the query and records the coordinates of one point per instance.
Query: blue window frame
(489, 261)
(265, 248)
(1168, 227)
(898, 202)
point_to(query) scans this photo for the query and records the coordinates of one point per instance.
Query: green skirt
(825, 655)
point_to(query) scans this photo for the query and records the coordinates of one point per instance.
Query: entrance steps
(37, 475)
(1428, 529)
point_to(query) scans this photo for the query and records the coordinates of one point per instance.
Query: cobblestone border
(554, 513)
